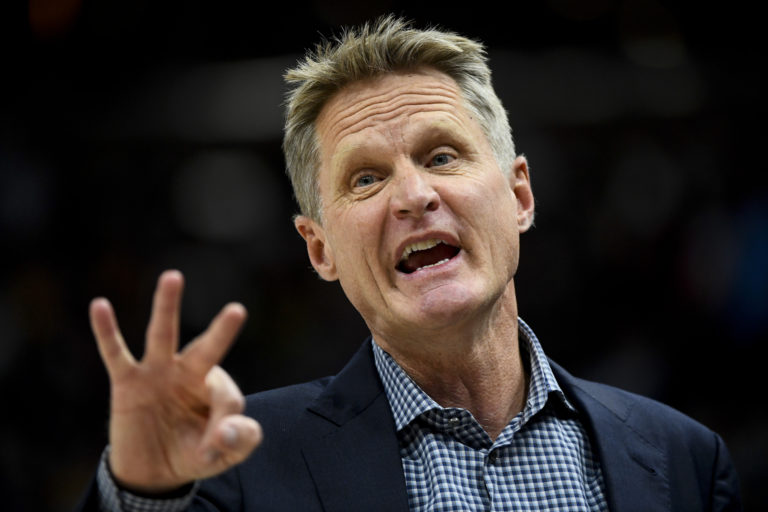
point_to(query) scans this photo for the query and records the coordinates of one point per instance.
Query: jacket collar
(634, 470)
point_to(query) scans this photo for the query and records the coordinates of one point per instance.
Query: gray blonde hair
(389, 44)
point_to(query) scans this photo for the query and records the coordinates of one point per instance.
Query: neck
(478, 369)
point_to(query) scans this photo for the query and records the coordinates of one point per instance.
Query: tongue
(431, 256)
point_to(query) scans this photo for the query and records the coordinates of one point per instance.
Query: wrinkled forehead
(374, 101)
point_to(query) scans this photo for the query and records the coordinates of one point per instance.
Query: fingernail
(229, 434)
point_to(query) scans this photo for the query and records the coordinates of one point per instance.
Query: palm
(174, 416)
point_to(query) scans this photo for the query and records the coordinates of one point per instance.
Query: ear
(320, 254)
(520, 183)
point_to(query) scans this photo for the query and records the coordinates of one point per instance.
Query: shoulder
(656, 423)
(629, 430)
(288, 401)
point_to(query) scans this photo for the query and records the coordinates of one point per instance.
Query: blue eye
(365, 180)
(441, 159)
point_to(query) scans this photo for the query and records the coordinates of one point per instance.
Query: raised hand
(175, 416)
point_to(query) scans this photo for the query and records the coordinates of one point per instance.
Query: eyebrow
(431, 133)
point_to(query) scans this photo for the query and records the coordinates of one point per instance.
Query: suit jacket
(330, 445)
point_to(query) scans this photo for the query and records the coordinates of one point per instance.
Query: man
(412, 197)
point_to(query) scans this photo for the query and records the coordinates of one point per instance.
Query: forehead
(372, 102)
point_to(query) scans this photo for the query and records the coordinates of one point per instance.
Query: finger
(233, 439)
(114, 352)
(225, 396)
(163, 329)
(208, 349)
(230, 436)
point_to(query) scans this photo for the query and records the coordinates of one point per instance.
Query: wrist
(155, 492)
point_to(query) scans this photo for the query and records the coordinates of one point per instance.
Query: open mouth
(428, 253)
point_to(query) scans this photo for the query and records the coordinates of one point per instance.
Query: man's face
(420, 225)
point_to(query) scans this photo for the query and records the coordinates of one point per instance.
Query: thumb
(232, 440)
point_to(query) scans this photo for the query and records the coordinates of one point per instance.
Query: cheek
(490, 208)
(357, 265)
(502, 228)
(354, 241)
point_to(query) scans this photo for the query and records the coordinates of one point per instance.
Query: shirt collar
(408, 401)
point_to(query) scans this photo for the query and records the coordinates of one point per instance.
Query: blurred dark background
(138, 136)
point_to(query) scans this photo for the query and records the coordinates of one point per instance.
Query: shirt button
(493, 457)
(454, 421)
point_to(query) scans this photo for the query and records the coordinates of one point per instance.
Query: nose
(413, 194)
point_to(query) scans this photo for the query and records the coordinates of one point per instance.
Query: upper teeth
(419, 246)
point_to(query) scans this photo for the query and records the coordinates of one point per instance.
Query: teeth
(421, 246)
(433, 265)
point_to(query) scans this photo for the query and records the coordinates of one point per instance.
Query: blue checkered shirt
(542, 460)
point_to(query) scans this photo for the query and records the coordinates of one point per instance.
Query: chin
(447, 305)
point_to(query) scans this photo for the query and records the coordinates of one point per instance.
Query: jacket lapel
(355, 462)
(635, 471)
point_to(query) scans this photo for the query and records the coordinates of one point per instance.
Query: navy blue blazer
(330, 445)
